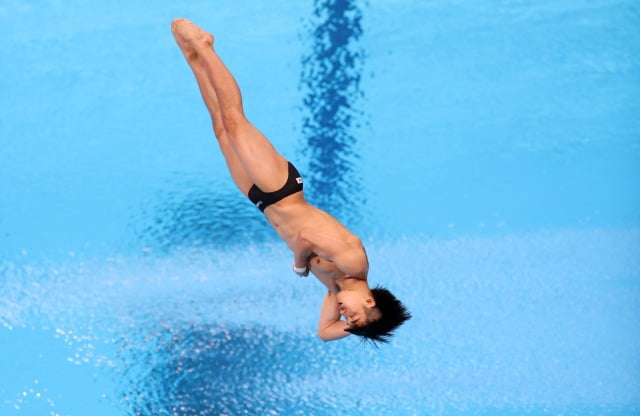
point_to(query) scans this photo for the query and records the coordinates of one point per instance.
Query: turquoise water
(486, 152)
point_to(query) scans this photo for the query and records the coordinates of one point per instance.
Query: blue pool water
(488, 154)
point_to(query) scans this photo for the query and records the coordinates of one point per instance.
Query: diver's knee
(234, 121)
(219, 130)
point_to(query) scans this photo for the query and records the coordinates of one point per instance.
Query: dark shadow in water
(215, 370)
(199, 214)
(330, 76)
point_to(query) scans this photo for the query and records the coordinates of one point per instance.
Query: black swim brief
(264, 199)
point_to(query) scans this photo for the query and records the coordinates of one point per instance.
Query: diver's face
(355, 307)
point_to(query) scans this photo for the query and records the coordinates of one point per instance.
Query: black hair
(393, 312)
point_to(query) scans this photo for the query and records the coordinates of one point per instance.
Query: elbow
(323, 337)
(303, 236)
(302, 242)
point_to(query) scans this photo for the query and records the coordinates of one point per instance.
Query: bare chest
(326, 271)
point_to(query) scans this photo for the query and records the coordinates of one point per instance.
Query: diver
(320, 243)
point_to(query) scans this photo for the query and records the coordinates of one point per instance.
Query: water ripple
(330, 76)
(196, 213)
(220, 369)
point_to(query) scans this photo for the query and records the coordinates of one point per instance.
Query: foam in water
(510, 324)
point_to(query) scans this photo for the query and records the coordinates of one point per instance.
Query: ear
(371, 302)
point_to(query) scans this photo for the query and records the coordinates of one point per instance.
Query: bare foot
(190, 38)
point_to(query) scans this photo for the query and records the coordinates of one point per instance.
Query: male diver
(320, 244)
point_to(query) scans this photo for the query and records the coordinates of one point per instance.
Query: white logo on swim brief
(299, 179)
(259, 203)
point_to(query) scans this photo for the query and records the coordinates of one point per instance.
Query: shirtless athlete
(319, 242)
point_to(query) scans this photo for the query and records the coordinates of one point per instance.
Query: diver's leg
(263, 164)
(239, 175)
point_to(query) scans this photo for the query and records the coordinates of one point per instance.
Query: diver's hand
(301, 271)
